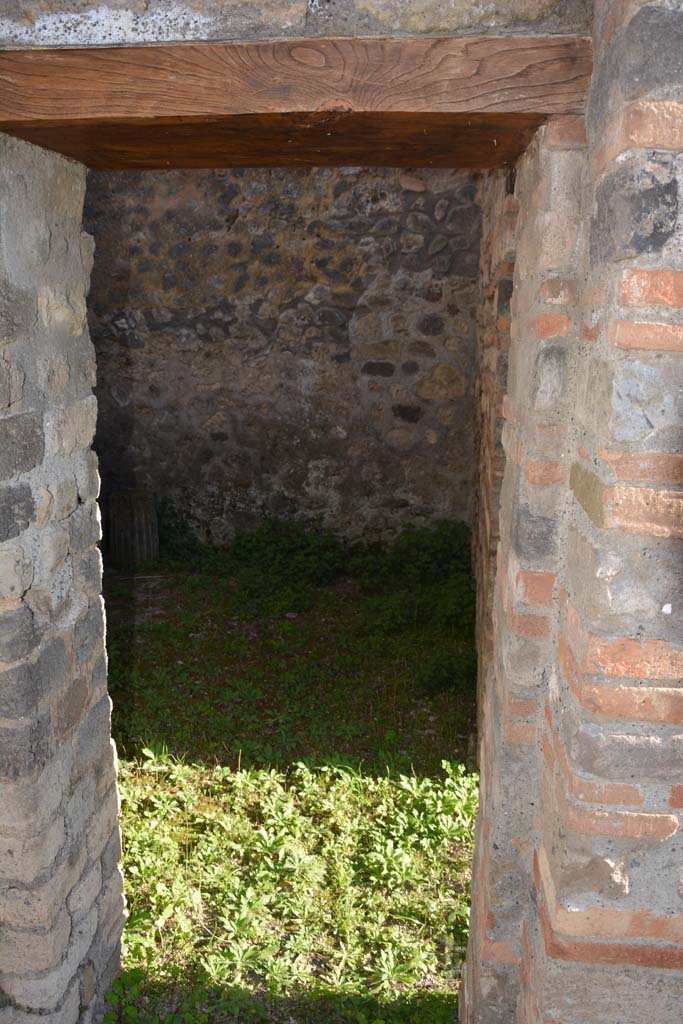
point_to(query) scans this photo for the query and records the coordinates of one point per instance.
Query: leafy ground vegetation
(292, 716)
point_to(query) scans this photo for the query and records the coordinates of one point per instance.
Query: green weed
(177, 539)
(295, 847)
(324, 883)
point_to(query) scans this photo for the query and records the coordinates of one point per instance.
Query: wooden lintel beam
(468, 101)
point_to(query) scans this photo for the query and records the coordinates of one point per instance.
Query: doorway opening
(288, 366)
(576, 871)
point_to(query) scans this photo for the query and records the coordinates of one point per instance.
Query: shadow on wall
(287, 342)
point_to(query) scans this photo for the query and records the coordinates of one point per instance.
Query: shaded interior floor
(229, 670)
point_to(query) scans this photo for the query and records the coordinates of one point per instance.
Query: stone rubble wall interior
(61, 903)
(287, 342)
(112, 22)
(578, 899)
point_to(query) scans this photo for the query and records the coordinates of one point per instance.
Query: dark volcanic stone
(431, 325)
(378, 369)
(409, 413)
(636, 210)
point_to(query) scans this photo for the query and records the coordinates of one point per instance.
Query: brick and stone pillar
(603, 941)
(578, 905)
(533, 497)
(61, 904)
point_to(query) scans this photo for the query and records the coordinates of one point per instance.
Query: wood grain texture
(470, 102)
(295, 140)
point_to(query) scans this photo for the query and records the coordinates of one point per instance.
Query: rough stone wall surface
(61, 904)
(110, 22)
(288, 342)
(578, 908)
(498, 245)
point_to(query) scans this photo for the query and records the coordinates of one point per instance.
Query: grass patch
(297, 829)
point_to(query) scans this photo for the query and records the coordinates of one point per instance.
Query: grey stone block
(108, 23)
(649, 53)
(416, 17)
(549, 382)
(23, 688)
(92, 738)
(89, 631)
(647, 403)
(88, 572)
(23, 860)
(534, 537)
(29, 806)
(47, 991)
(17, 510)
(84, 527)
(625, 756)
(70, 707)
(112, 853)
(18, 636)
(26, 747)
(17, 312)
(21, 444)
(68, 1012)
(87, 475)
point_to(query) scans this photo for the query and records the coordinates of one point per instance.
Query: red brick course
(645, 124)
(676, 798)
(654, 336)
(544, 473)
(652, 287)
(645, 510)
(557, 291)
(643, 659)
(658, 467)
(535, 588)
(637, 703)
(552, 325)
